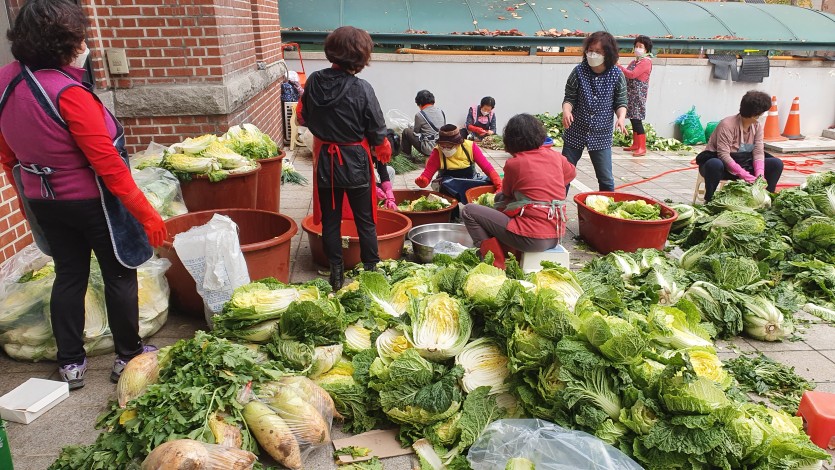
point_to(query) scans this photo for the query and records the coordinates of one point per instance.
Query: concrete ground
(36, 445)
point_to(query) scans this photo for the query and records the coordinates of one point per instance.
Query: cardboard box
(31, 399)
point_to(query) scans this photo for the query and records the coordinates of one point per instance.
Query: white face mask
(81, 59)
(449, 152)
(639, 51)
(485, 113)
(594, 59)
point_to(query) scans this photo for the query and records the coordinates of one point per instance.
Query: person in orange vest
(345, 118)
(735, 149)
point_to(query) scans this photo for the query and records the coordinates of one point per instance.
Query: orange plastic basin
(473, 193)
(425, 217)
(391, 233)
(607, 234)
(268, 196)
(265, 242)
(235, 192)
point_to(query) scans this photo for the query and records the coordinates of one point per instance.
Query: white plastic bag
(150, 157)
(398, 120)
(162, 189)
(547, 445)
(212, 254)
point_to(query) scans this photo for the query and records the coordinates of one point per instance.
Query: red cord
(789, 165)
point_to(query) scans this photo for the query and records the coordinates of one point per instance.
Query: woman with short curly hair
(735, 149)
(345, 118)
(595, 90)
(65, 153)
(529, 213)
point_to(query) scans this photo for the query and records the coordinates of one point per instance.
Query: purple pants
(484, 222)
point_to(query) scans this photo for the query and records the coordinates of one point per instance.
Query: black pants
(713, 171)
(360, 202)
(73, 229)
(637, 126)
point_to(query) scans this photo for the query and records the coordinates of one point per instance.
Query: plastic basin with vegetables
(607, 234)
(473, 193)
(425, 237)
(265, 241)
(425, 217)
(237, 191)
(391, 233)
(268, 194)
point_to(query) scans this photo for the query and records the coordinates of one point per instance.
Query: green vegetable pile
(218, 157)
(553, 125)
(492, 142)
(630, 210)
(486, 199)
(769, 379)
(422, 204)
(289, 175)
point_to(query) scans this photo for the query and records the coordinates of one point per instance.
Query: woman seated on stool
(455, 159)
(735, 149)
(529, 214)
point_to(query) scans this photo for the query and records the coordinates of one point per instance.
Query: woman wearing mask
(735, 149)
(637, 84)
(65, 152)
(595, 89)
(344, 116)
(529, 214)
(455, 159)
(481, 120)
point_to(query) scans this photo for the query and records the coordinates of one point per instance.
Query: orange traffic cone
(792, 129)
(771, 132)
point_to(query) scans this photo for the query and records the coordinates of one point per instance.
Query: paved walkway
(36, 445)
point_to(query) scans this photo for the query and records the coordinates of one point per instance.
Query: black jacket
(339, 107)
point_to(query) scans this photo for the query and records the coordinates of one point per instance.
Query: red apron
(333, 149)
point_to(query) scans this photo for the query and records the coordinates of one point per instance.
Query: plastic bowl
(425, 217)
(607, 234)
(425, 237)
(473, 193)
(391, 233)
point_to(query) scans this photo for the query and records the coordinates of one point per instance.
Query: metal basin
(425, 237)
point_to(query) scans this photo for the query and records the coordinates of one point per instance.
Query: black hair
(424, 97)
(647, 42)
(349, 48)
(754, 103)
(607, 43)
(48, 33)
(488, 101)
(523, 132)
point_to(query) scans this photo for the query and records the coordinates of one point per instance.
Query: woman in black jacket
(344, 116)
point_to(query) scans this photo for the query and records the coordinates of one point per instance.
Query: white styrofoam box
(531, 261)
(31, 399)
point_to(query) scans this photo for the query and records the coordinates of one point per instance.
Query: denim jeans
(602, 162)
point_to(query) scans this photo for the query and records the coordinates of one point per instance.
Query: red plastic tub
(238, 191)
(473, 193)
(268, 196)
(607, 234)
(265, 241)
(425, 217)
(391, 233)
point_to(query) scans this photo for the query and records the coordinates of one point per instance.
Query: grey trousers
(484, 222)
(409, 139)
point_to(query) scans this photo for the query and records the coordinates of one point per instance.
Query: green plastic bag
(692, 132)
(711, 126)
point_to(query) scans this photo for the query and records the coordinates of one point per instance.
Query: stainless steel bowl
(425, 237)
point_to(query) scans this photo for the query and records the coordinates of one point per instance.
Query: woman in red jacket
(64, 153)
(529, 214)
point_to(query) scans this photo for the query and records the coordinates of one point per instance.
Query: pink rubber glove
(759, 168)
(734, 168)
(381, 195)
(389, 195)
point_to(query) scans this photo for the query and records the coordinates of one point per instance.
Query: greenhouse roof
(562, 22)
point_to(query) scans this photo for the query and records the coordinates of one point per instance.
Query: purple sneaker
(120, 363)
(73, 374)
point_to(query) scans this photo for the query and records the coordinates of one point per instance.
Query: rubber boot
(634, 145)
(337, 278)
(370, 267)
(641, 149)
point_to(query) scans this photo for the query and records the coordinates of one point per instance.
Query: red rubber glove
(139, 207)
(759, 168)
(422, 181)
(383, 151)
(389, 195)
(496, 180)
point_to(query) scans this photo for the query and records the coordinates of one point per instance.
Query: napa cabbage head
(559, 280)
(676, 329)
(375, 286)
(391, 344)
(485, 365)
(615, 338)
(825, 200)
(440, 328)
(483, 284)
(357, 338)
(730, 271)
(739, 195)
(815, 234)
(794, 205)
(697, 396)
(414, 287)
(762, 320)
(706, 364)
(528, 350)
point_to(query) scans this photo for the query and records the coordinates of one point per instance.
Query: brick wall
(173, 43)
